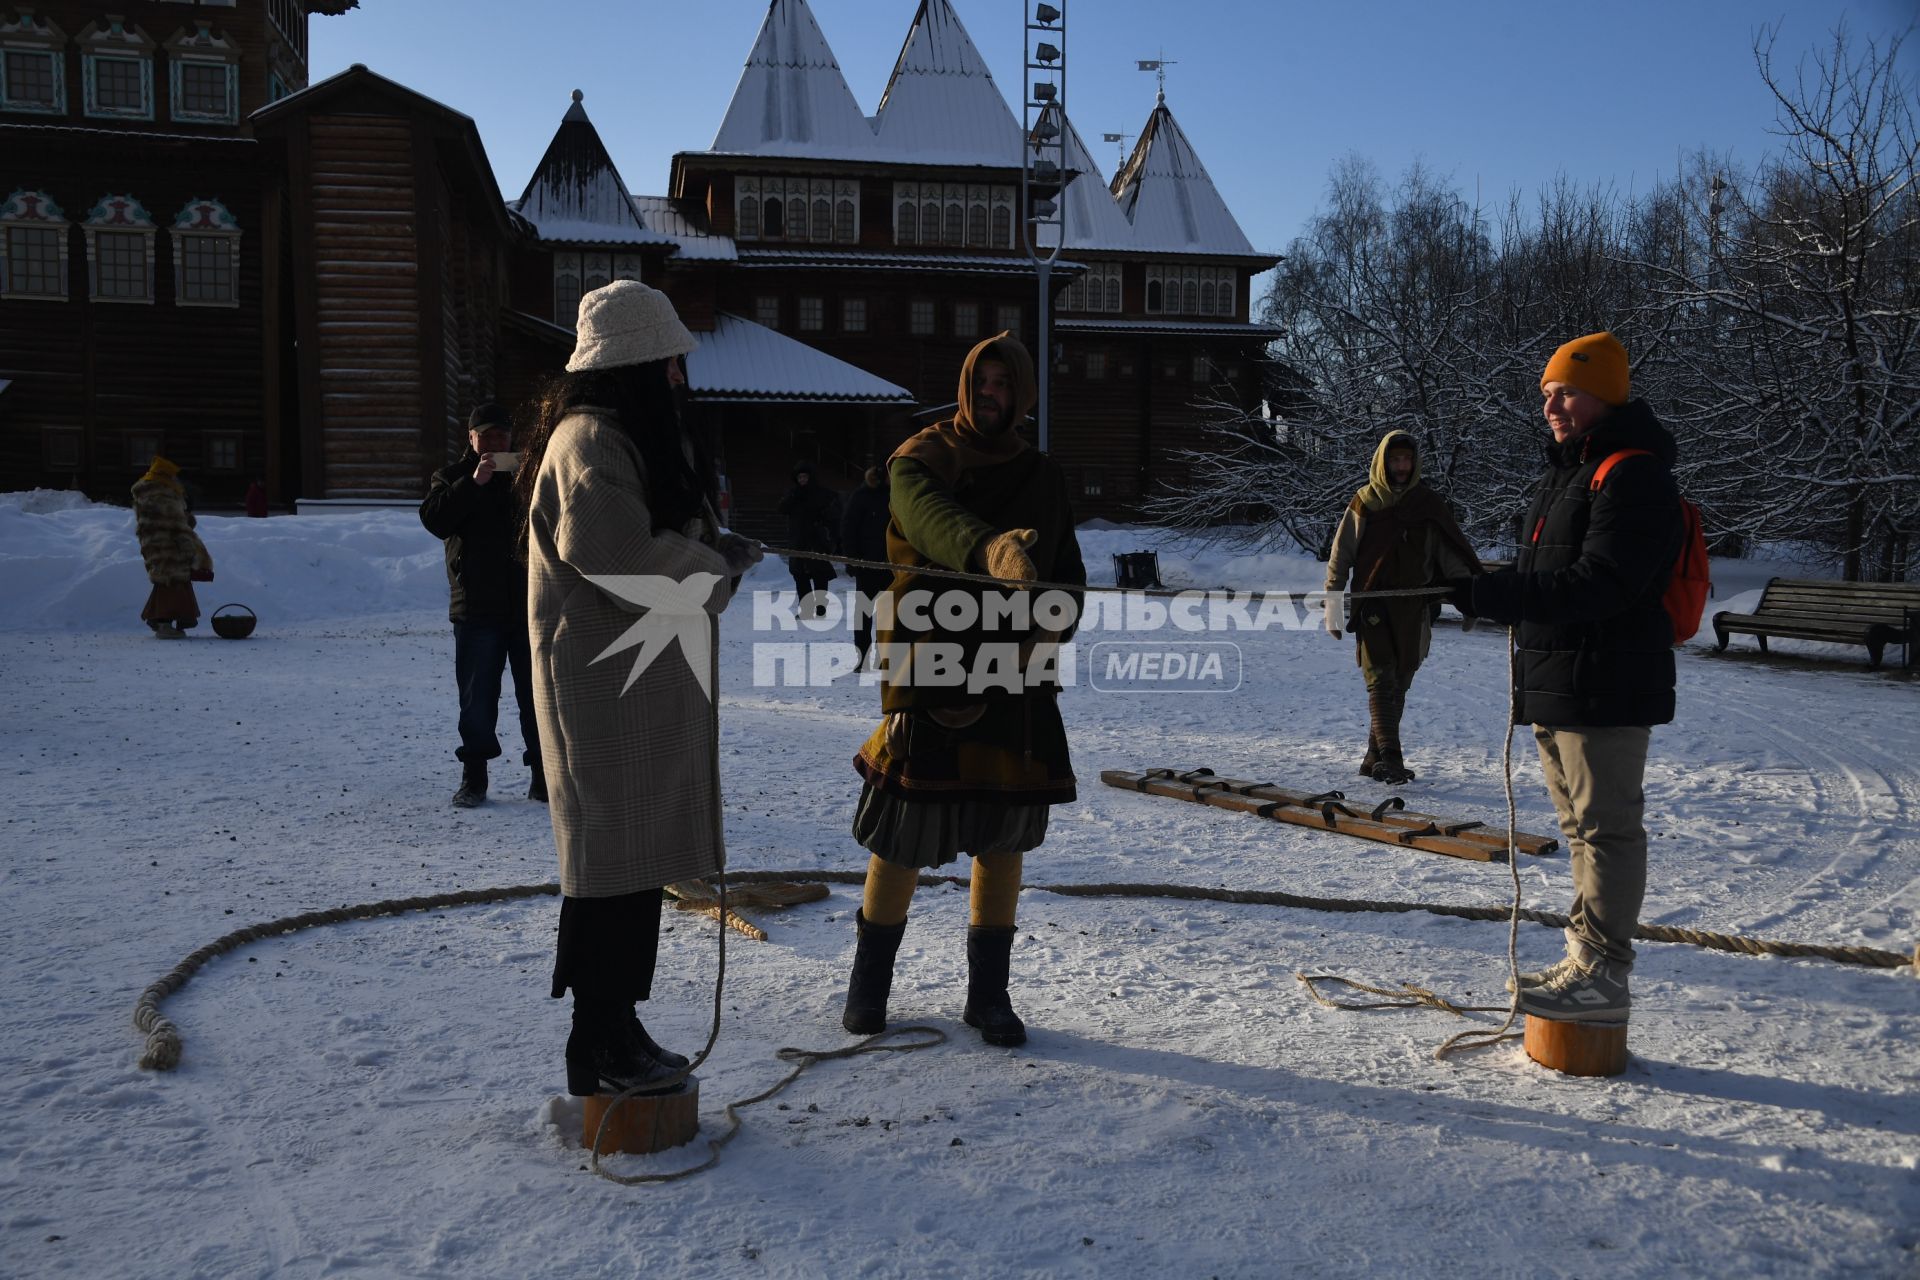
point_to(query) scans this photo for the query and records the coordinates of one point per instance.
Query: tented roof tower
(575, 192)
(792, 99)
(1165, 192)
(941, 105)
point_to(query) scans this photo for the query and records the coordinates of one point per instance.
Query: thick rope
(962, 575)
(1479, 1039)
(802, 1059)
(162, 1052)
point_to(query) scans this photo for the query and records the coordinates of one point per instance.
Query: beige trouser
(1595, 778)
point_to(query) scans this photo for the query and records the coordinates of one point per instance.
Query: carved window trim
(32, 211)
(205, 227)
(115, 224)
(202, 49)
(115, 42)
(30, 36)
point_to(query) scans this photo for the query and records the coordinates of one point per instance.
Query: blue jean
(481, 650)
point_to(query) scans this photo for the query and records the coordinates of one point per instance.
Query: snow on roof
(741, 360)
(792, 99)
(695, 241)
(872, 260)
(1165, 192)
(1186, 328)
(1093, 218)
(575, 193)
(941, 105)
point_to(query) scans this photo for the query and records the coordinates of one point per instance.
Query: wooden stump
(1578, 1048)
(644, 1124)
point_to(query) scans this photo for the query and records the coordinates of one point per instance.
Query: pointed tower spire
(792, 99)
(1166, 195)
(575, 192)
(941, 105)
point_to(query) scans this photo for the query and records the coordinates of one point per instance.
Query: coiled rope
(162, 1049)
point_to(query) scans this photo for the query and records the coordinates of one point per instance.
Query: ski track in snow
(384, 1096)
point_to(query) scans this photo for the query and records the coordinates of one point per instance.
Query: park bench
(1874, 614)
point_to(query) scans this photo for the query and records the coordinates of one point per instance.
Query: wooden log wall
(367, 300)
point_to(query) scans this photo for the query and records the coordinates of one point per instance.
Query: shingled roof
(941, 105)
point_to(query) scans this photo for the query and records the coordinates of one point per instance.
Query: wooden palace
(311, 285)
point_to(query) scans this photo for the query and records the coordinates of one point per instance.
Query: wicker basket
(233, 626)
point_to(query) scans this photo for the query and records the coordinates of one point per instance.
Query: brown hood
(949, 448)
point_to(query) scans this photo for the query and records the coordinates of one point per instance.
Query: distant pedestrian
(813, 524)
(1594, 665)
(1396, 534)
(863, 536)
(256, 500)
(469, 506)
(174, 556)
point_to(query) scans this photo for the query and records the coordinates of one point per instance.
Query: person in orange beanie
(1594, 669)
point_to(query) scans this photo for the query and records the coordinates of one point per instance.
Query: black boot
(1370, 759)
(473, 785)
(537, 787)
(989, 951)
(603, 1053)
(871, 981)
(666, 1056)
(1391, 769)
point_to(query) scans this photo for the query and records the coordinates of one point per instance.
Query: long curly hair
(641, 400)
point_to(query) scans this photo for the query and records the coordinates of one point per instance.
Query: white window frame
(1096, 369)
(119, 216)
(812, 210)
(26, 34)
(921, 318)
(115, 42)
(1097, 289)
(209, 222)
(1184, 289)
(566, 278)
(32, 211)
(202, 48)
(966, 319)
(766, 310)
(853, 315)
(812, 314)
(1009, 310)
(217, 440)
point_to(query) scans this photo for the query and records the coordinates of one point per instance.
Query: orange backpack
(1685, 598)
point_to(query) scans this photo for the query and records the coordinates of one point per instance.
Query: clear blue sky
(1498, 94)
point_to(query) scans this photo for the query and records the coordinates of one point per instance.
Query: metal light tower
(1043, 172)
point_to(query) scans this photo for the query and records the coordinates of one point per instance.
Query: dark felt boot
(1387, 706)
(537, 786)
(871, 981)
(473, 785)
(1370, 759)
(989, 954)
(603, 1053)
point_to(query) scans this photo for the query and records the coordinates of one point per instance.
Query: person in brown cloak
(969, 764)
(1396, 534)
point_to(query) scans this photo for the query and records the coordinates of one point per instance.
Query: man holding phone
(469, 506)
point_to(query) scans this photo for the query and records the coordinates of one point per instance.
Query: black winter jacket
(813, 517)
(1595, 646)
(863, 525)
(486, 580)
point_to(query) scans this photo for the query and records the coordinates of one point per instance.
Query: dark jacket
(486, 581)
(1595, 645)
(863, 525)
(813, 517)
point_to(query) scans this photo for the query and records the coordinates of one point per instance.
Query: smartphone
(506, 462)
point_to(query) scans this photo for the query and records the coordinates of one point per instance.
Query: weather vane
(1159, 67)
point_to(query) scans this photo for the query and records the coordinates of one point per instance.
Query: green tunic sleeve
(932, 519)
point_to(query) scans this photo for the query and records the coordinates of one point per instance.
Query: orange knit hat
(1597, 364)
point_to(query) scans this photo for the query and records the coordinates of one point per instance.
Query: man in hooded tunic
(972, 752)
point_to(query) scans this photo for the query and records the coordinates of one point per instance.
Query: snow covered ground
(387, 1096)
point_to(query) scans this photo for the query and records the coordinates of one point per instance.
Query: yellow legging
(996, 890)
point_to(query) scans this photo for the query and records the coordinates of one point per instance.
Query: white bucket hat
(625, 323)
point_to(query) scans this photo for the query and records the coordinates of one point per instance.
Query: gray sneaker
(1580, 993)
(1541, 977)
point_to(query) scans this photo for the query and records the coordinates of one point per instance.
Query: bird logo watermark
(675, 610)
